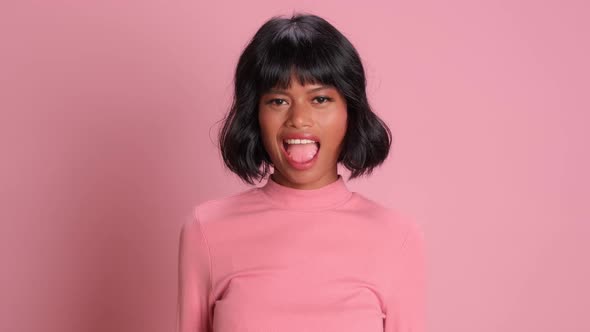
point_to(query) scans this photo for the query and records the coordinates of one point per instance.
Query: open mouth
(301, 154)
(286, 145)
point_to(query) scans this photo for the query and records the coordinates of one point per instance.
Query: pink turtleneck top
(280, 259)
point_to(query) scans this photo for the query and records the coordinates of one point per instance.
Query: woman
(302, 252)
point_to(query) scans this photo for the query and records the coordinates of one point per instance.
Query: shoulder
(224, 207)
(395, 223)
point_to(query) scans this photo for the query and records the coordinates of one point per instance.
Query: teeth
(299, 141)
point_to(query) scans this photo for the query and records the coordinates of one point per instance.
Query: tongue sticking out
(302, 152)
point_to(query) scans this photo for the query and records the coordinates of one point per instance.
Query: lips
(300, 136)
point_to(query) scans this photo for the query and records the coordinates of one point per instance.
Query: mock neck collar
(330, 195)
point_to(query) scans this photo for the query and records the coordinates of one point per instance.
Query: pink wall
(107, 131)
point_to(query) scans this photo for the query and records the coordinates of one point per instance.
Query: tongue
(302, 152)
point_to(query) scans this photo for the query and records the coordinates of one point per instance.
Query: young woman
(302, 252)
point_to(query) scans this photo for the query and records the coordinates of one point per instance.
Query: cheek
(263, 122)
(268, 129)
(335, 126)
(343, 122)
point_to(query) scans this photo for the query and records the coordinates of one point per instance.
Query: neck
(323, 181)
(327, 196)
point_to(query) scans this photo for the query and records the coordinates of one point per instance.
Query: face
(312, 109)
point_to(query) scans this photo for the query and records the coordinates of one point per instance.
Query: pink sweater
(279, 259)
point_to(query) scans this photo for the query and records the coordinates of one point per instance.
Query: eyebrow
(309, 91)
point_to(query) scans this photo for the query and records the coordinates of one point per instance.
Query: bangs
(310, 59)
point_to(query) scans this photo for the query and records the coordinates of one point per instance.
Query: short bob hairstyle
(316, 52)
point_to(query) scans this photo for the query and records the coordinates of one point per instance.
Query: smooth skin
(313, 108)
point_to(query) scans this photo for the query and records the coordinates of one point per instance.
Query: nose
(300, 115)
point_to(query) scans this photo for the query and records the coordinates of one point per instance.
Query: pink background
(108, 131)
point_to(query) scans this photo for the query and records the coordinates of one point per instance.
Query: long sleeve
(194, 279)
(406, 304)
(277, 258)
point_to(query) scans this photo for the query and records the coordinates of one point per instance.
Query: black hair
(311, 48)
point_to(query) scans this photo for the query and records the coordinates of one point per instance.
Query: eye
(323, 98)
(273, 101)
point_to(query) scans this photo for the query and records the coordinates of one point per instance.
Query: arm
(193, 279)
(406, 303)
